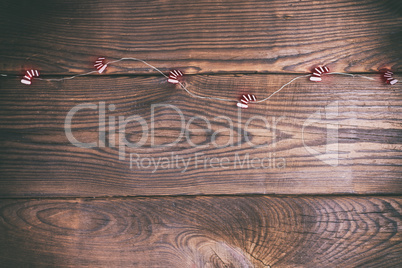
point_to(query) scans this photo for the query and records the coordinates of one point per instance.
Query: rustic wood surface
(324, 140)
(37, 158)
(202, 232)
(62, 37)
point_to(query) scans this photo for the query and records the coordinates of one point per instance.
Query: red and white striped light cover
(100, 65)
(29, 75)
(175, 76)
(388, 77)
(316, 76)
(245, 100)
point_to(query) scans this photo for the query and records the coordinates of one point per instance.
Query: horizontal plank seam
(206, 195)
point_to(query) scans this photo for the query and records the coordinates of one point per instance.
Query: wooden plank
(339, 136)
(60, 37)
(202, 232)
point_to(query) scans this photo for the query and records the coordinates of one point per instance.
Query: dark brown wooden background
(67, 206)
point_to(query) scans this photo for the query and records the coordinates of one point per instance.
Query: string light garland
(176, 77)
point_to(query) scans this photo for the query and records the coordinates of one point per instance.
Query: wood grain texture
(202, 232)
(339, 136)
(37, 159)
(60, 37)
